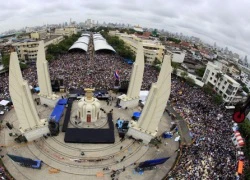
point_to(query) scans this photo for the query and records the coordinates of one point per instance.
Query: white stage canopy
(4, 102)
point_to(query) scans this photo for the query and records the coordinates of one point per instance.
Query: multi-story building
(66, 31)
(38, 35)
(153, 49)
(177, 56)
(27, 49)
(223, 65)
(223, 84)
(233, 70)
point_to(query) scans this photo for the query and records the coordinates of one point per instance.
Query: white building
(177, 56)
(223, 65)
(224, 85)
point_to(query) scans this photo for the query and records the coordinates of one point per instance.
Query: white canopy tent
(4, 103)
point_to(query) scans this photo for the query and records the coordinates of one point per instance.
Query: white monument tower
(46, 96)
(29, 122)
(147, 126)
(133, 95)
(89, 107)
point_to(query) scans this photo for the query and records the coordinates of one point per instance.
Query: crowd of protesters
(212, 154)
(78, 72)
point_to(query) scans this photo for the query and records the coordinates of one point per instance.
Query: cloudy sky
(226, 22)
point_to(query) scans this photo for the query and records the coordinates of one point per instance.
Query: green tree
(184, 74)
(218, 99)
(156, 61)
(177, 41)
(158, 68)
(175, 65)
(207, 89)
(175, 71)
(162, 38)
(49, 57)
(200, 72)
(120, 47)
(6, 61)
(190, 81)
(23, 66)
(244, 88)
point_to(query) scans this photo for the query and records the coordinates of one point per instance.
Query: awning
(4, 102)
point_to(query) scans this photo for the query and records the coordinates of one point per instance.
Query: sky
(226, 22)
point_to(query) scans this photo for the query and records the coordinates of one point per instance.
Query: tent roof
(85, 34)
(102, 45)
(4, 102)
(79, 45)
(83, 40)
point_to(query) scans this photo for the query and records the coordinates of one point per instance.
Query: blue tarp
(20, 159)
(62, 101)
(136, 115)
(57, 113)
(129, 61)
(153, 162)
(37, 89)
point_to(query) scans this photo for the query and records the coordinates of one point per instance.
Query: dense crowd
(79, 72)
(212, 155)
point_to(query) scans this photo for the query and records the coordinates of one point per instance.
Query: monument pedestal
(126, 102)
(50, 101)
(138, 133)
(36, 133)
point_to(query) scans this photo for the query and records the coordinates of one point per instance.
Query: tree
(190, 81)
(207, 89)
(6, 61)
(175, 65)
(177, 41)
(184, 74)
(162, 38)
(49, 57)
(218, 99)
(219, 77)
(156, 61)
(23, 66)
(119, 45)
(158, 68)
(244, 88)
(175, 71)
(200, 72)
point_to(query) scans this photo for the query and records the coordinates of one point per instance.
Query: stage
(91, 135)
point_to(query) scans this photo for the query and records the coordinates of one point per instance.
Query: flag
(117, 75)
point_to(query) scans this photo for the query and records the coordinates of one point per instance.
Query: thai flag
(117, 75)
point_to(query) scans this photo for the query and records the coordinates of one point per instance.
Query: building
(66, 31)
(223, 65)
(38, 35)
(177, 56)
(153, 49)
(27, 49)
(138, 29)
(223, 84)
(233, 70)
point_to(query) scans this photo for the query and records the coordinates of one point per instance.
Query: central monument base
(50, 101)
(126, 102)
(138, 133)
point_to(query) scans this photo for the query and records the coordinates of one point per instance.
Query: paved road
(186, 139)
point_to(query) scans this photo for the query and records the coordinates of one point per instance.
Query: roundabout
(89, 161)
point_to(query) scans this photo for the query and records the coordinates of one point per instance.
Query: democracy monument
(78, 132)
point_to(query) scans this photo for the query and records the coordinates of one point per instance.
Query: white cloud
(223, 21)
